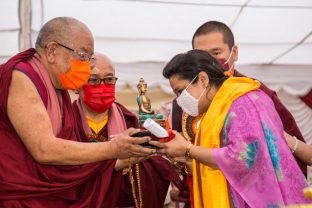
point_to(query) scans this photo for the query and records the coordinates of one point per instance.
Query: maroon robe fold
(155, 173)
(307, 99)
(26, 183)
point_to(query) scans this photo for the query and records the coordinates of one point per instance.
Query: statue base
(158, 118)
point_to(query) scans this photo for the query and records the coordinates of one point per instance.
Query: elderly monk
(217, 39)
(100, 117)
(44, 161)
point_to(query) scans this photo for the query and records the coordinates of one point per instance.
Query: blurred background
(274, 39)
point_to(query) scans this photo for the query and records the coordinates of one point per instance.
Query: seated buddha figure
(143, 101)
(145, 109)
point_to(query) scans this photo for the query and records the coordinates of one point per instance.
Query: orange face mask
(77, 76)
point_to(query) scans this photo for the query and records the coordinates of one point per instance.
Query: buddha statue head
(142, 86)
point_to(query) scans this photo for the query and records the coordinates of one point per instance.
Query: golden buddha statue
(143, 101)
(145, 108)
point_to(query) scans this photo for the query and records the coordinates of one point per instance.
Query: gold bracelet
(188, 152)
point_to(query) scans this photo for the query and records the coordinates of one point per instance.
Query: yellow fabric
(97, 127)
(210, 185)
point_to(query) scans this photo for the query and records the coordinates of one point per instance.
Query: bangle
(188, 151)
(296, 145)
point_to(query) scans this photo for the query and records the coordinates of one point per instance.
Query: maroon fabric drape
(307, 99)
(26, 183)
(155, 173)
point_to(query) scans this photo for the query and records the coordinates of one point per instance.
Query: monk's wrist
(112, 149)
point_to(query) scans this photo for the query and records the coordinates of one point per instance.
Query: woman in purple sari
(240, 157)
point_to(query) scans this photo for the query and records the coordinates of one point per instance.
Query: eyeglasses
(106, 80)
(81, 55)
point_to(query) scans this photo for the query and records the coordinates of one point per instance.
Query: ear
(235, 53)
(203, 78)
(51, 51)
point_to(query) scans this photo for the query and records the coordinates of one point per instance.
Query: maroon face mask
(99, 98)
(225, 63)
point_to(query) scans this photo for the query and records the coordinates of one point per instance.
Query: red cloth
(155, 173)
(26, 183)
(307, 99)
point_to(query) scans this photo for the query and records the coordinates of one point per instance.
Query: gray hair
(60, 29)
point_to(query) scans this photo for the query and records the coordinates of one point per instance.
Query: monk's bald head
(102, 59)
(61, 29)
(103, 66)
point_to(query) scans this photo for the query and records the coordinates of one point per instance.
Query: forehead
(210, 41)
(84, 42)
(177, 83)
(103, 67)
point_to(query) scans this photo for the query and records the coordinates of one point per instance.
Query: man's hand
(125, 163)
(126, 146)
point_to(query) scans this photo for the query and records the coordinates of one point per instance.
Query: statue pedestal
(158, 118)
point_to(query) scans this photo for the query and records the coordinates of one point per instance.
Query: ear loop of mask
(230, 69)
(191, 83)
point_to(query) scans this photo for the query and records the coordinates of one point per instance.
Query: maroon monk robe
(26, 183)
(155, 173)
(307, 99)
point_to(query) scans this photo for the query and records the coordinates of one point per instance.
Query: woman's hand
(174, 148)
(291, 141)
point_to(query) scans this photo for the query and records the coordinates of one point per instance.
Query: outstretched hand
(174, 148)
(126, 146)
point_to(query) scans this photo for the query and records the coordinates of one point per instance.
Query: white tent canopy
(269, 34)
(276, 31)
(274, 37)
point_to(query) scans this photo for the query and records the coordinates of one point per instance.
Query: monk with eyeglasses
(44, 161)
(134, 182)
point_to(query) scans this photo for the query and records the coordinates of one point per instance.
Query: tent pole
(25, 20)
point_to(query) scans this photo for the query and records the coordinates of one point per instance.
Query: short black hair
(188, 65)
(215, 26)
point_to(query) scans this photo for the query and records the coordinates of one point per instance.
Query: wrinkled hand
(174, 148)
(126, 146)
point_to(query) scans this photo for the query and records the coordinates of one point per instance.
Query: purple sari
(255, 159)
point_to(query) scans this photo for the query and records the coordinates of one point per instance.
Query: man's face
(103, 68)
(213, 44)
(79, 48)
(102, 72)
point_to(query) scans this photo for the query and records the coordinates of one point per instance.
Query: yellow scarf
(210, 185)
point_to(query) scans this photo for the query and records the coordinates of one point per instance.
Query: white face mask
(188, 103)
